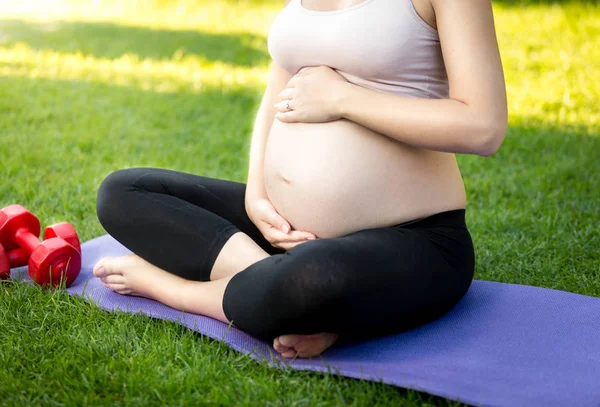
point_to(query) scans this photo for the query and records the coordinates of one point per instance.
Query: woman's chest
(372, 39)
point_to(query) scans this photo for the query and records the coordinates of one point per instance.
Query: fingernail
(311, 238)
(101, 271)
(285, 228)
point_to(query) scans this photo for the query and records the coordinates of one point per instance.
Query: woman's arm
(278, 77)
(474, 119)
(255, 186)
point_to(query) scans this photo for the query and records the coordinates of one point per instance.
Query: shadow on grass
(108, 40)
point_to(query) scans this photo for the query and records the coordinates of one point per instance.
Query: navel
(286, 180)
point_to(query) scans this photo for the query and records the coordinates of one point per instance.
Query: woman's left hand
(314, 94)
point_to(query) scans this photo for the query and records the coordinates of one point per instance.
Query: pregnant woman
(352, 220)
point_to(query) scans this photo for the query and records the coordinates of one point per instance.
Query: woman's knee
(111, 190)
(286, 293)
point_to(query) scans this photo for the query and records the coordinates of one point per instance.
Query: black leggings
(364, 284)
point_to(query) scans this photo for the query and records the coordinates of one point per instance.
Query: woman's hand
(272, 225)
(313, 94)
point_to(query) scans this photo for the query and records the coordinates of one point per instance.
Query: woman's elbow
(491, 137)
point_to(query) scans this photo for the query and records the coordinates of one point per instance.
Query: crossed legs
(197, 251)
(131, 201)
(132, 275)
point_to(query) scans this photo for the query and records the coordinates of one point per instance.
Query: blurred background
(88, 87)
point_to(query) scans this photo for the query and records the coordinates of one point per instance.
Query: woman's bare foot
(304, 345)
(132, 275)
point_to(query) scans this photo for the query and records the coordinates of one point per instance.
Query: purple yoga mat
(502, 345)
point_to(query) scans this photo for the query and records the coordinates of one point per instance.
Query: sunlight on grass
(223, 15)
(551, 61)
(178, 74)
(182, 70)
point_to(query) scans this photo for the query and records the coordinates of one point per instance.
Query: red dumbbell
(50, 261)
(64, 231)
(14, 258)
(4, 265)
(19, 257)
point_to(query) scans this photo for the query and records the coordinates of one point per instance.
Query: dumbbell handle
(18, 257)
(26, 240)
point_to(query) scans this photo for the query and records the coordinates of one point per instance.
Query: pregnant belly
(338, 177)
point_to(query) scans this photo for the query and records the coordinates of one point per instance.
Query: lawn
(89, 87)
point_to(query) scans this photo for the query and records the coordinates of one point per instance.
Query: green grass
(176, 84)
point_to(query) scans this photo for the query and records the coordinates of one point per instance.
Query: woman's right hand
(272, 225)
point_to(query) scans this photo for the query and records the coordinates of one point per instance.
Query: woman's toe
(289, 341)
(289, 354)
(113, 279)
(119, 289)
(308, 345)
(109, 266)
(278, 346)
(98, 269)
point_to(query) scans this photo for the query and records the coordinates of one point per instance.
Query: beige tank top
(383, 45)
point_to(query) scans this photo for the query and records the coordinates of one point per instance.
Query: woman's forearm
(435, 124)
(255, 183)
